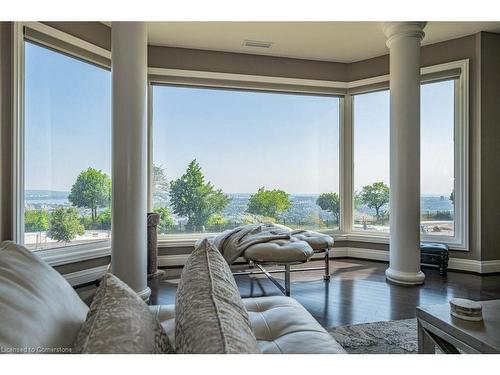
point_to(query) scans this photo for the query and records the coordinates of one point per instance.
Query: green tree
(357, 199)
(269, 202)
(192, 197)
(217, 220)
(36, 220)
(64, 224)
(452, 196)
(375, 196)
(92, 189)
(88, 223)
(166, 220)
(104, 219)
(160, 184)
(330, 202)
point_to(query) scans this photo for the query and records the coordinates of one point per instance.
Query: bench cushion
(318, 241)
(280, 324)
(279, 252)
(433, 247)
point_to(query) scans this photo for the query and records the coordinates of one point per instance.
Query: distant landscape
(304, 210)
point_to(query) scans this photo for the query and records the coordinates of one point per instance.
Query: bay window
(226, 152)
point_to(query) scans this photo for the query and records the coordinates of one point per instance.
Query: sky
(67, 119)
(243, 140)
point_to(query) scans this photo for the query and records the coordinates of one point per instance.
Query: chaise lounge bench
(265, 245)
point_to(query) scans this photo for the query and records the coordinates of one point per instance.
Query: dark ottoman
(435, 254)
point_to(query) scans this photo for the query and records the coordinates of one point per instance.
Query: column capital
(393, 30)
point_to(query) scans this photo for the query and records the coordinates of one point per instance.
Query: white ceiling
(329, 41)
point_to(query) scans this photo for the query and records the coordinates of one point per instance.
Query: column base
(144, 294)
(404, 278)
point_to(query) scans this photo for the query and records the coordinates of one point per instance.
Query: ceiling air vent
(257, 44)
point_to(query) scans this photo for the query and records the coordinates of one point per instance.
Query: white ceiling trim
(245, 78)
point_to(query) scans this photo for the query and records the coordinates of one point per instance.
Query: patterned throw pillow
(119, 321)
(209, 313)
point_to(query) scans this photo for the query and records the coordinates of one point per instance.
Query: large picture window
(223, 158)
(67, 150)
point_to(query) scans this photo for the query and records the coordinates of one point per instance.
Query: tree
(330, 202)
(104, 219)
(36, 220)
(64, 224)
(166, 220)
(92, 189)
(217, 220)
(269, 202)
(452, 196)
(192, 197)
(357, 199)
(375, 196)
(160, 184)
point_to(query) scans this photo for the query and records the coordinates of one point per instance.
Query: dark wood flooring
(356, 293)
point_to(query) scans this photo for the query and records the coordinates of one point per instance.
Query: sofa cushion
(165, 315)
(284, 326)
(210, 317)
(40, 312)
(119, 321)
(280, 324)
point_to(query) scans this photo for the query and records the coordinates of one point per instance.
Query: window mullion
(18, 134)
(346, 162)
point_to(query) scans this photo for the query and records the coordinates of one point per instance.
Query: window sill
(190, 240)
(72, 254)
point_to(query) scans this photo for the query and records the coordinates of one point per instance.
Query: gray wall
(239, 63)
(5, 133)
(482, 50)
(490, 146)
(93, 32)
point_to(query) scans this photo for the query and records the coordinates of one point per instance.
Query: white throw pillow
(39, 310)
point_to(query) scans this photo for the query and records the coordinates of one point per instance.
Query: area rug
(392, 337)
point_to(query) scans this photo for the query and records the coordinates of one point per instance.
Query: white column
(403, 40)
(129, 91)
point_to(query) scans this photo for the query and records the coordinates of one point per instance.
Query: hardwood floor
(356, 293)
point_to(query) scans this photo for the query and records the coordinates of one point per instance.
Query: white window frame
(59, 255)
(459, 241)
(162, 76)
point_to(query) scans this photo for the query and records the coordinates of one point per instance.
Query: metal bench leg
(287, 280)
(327, 265)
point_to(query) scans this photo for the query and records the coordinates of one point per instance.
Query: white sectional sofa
(41, 313)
